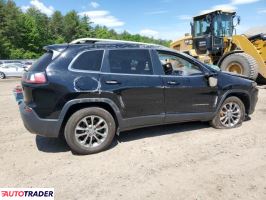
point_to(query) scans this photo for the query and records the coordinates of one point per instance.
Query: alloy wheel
(230, 114)
(2, 75)
(91, 131)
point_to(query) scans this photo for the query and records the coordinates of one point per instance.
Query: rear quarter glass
(41, 64)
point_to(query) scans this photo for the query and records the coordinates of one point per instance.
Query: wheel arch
(241, 94)
(244, 98)
(78, 104)
(3, 74)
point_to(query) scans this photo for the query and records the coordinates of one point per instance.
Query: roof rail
(94, 40)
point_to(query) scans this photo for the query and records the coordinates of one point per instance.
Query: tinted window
(130, 61)
(42, 62)
(223, 25)
(89, 60)
(175, 65)
(201, 27)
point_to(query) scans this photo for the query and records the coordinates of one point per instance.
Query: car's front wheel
(90, 130)
(230, 115)
(2, 75)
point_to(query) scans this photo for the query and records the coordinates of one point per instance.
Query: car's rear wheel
(90, 130)
(230, 115)
(2, 75)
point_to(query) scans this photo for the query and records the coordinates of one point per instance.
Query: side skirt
(154, 120)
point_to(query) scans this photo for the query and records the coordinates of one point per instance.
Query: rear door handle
(112, 82)
(173, 83)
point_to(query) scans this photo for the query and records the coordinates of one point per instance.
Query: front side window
(130, 61)
(175, 65)
(89, 60)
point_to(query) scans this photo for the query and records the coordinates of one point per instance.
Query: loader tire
(241, 63)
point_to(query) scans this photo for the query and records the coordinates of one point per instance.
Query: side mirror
(213, 81)
(238, 20)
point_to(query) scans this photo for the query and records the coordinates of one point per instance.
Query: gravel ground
(180, 161)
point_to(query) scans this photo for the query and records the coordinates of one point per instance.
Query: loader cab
(209, 30)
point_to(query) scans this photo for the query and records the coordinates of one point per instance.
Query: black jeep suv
(89, 90)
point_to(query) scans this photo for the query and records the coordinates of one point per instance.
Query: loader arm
(243, 43)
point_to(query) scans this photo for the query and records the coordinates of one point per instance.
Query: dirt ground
(180, 161)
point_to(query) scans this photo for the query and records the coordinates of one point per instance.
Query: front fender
(232, 92)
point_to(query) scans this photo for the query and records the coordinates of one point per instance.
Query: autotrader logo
(27, 193)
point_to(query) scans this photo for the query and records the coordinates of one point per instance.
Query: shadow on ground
(160, 130)
(56, 145)
(51, 145)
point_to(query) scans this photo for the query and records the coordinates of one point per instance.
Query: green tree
(84, 28)
(9, 31)
(35, 31)
(102, 32)
(71, 26)
(23, 35)
(4, 43)
(56, 27)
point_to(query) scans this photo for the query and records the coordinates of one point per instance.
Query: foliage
(23, 35)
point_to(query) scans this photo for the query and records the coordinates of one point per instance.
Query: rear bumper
(36, 125)
(253, 100)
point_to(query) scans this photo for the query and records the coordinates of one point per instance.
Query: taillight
(35, 77)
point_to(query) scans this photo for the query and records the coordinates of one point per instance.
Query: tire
(76, 138)
(245, 63)
(2, 75)
(220, 117)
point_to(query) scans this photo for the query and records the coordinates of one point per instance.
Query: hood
(237, 75)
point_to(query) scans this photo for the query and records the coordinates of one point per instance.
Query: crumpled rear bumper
(36, 125)
(253, 100)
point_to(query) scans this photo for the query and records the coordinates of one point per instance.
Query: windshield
(201, 27)
(223, 25)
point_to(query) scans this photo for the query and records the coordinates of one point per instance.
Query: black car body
(130, 81)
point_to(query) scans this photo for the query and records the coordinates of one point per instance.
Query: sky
(165, 19)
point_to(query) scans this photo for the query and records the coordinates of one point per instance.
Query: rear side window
(130, 61)
(42, 62)
(88, 60)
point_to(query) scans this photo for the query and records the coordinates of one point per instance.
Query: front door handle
(173, 83)
(112, 82)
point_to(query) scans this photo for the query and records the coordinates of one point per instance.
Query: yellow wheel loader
(213, 42)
